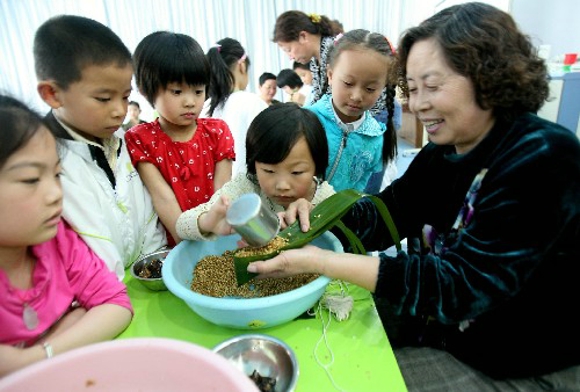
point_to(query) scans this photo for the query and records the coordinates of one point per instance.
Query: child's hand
(12, 358)
(300, 209)
(214, 221)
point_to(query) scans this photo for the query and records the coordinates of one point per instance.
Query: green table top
(360, 356)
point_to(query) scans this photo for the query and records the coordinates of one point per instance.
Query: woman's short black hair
(289, 77)
(276, 130)
(485, 45)
(265, 77)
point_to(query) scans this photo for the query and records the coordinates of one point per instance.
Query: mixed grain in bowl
(235, 312)
(215, 276)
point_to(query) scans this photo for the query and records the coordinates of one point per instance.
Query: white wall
(554, 23)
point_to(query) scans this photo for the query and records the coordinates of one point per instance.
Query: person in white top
(297, 92)
(227, 99)
(268, 88)
(84, 74)
(303, 70)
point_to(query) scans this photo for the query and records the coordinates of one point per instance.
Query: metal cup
(252, 220)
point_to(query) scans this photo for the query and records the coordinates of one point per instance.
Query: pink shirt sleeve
(90, 280)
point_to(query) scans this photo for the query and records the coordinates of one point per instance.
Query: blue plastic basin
(241, 313)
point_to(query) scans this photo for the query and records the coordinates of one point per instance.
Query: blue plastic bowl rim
(191, 297)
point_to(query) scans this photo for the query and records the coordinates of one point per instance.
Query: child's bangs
(178, 70)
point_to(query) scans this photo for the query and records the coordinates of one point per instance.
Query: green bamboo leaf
(323, 217)
(355, 243)
(384, 211)
(242, 274)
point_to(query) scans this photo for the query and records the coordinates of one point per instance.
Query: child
(84, 74)
(289, 81)
(182, 159)
(57, 295)
(360, 65)
(287, 155)
(229, 78)
(134, 113)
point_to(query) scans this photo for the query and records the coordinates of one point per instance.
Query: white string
(324, 337)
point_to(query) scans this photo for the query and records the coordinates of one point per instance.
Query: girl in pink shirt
(55, 293)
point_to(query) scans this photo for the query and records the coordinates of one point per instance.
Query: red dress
(188, 167)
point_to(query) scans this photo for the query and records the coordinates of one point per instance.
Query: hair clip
(217, 46)
(391, 46)
(338, 37)
(315, 18)
(243, 58)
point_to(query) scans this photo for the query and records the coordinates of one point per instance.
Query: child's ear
(243, 68)
(49, 92)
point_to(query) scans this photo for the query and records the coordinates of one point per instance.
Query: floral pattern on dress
(188, 167)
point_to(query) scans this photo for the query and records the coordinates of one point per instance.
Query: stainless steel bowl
(155, 284)
(269, 356)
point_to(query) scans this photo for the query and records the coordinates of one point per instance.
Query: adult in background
(485, 299)
(268, 88)
(295, 89)
(306, 38)
(303, 70)
(133, 111)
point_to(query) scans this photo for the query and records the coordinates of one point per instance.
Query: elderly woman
(487, 295)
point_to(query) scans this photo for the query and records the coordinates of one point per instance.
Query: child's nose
(54, 193)
(282, 184)
(120, 109)
(356, 94)
(189, 100)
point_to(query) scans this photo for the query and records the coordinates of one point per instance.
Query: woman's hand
(299, 209)
(309, 259)
(361, 270)
(214, 221)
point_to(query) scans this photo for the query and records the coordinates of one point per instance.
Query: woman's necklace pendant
(30, 317)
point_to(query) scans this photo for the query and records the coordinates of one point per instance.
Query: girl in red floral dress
(181, 158)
